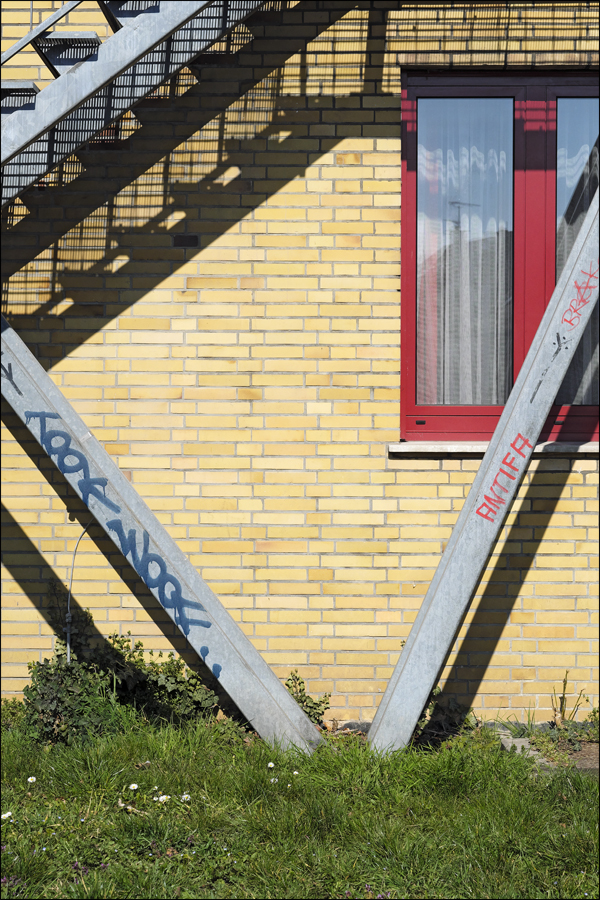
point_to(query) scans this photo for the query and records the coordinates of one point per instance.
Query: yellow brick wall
(249, 387)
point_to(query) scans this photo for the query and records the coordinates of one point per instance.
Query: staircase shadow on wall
(93, 209)
(94, 223)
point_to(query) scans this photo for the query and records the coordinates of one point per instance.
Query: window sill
(476, 450)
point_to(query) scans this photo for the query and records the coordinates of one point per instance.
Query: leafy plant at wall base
(551, 747)
(442, 717)
(557, 741)
(429, 708)
(591, 721)
(82, 623)
(64, 702)
(75, 700)
(314, 709)
(163, 689)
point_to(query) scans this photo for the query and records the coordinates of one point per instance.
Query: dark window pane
(576, 184)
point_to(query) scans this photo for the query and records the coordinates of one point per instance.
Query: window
(497, 175)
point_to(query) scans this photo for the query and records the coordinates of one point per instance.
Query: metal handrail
(65, 9)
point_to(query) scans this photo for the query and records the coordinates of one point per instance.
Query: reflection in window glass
(464, 251)
(576, 184)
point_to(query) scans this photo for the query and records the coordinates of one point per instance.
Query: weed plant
(102, 690)
(557, 738)
(557, 741)
(314, 709)
(207, 810)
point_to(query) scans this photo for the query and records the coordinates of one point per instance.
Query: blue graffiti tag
(8, 373)
(160, 579)
(216, 669)
(151, 567)
(88, 486)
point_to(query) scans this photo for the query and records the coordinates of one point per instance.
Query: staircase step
(91, 156)
(153, 116)
(119, 13)
(204, 60)
(117, 74)
(61, 50)
(38, 196)
(18, 95)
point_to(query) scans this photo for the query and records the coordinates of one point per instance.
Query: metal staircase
(98, 82)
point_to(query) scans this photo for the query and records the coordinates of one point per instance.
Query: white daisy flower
(32, 779)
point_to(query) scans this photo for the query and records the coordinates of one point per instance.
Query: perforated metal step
(98, 82)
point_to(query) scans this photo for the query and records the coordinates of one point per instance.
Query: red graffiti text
(493, 501)
(583, 295)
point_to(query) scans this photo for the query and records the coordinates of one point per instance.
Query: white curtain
(464, 251)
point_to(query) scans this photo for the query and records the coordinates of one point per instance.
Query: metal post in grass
(492, 493)
(146, 544)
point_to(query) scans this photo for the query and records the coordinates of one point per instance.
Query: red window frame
(534, 238)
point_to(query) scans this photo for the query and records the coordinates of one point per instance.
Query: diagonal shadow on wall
(166, 125)
(35, 575)
(32, 572)
(237, 195)
(518, 554)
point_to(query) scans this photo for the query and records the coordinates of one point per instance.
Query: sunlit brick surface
(248, 384)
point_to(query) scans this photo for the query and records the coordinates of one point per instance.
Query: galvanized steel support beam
(491, 494)
(154, 555)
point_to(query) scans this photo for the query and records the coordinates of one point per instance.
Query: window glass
(576, 184)
(464, 251)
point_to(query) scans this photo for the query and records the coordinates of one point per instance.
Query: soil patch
(586, 758)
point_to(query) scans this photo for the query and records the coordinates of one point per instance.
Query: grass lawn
(243, 820)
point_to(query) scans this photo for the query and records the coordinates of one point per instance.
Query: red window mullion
(408, 369)
(534, 236)
(564, 423)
